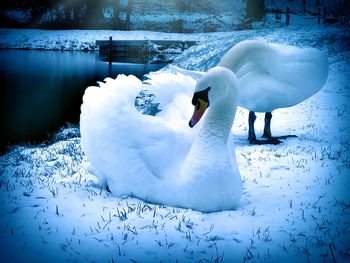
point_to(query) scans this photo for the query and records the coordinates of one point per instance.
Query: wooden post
(287, 16)
(110, 50)
(345, 7)
(278, 16)
(322, 16)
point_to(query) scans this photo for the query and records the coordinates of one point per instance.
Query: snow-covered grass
(295, 206)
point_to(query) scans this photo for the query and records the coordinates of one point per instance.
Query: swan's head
(217, 83)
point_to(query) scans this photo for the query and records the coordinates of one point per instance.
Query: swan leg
(267, 131)
(251, 131)
(267, 127)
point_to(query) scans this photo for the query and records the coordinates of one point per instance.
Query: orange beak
(198, 112)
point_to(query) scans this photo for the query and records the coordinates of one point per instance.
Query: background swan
(272, 76)
(153, 159)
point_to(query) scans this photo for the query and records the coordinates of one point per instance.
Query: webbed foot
(268, 139)
(271, 140)
(283, 137)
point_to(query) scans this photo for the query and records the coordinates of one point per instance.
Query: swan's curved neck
(210, 145)
(219, 118)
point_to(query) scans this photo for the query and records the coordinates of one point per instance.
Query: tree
(128, 15)
(255, 10)
(94, 13)
(304, 5)
(181, 5)
(116, 7)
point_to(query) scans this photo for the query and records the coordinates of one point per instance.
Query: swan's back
(274, 76)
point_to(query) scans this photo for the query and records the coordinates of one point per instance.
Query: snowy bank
(85, 40)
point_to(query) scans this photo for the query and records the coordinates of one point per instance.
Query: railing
(141, 51)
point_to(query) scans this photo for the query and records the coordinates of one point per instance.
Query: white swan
(153, 159)
(272, 76)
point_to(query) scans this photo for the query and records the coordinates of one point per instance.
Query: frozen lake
(42, 90)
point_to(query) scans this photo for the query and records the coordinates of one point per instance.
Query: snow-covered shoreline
(296, 203)
(208, 51)
(85, 40)
(75, 40)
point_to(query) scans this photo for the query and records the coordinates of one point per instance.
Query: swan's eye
(198, 105)
(194, 101)
(203, 95)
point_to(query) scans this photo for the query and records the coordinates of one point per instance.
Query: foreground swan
(156, 160)
(272, 76)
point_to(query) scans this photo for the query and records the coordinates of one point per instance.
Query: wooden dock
(141, 51)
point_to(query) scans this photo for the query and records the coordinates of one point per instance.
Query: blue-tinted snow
(296, 203)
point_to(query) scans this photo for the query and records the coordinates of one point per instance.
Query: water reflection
(42, 90)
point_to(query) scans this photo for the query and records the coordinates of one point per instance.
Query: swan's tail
(129, 150)
(105, 112)
(102, 105)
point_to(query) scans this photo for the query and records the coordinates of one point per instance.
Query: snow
(224, 15)
(296, 202)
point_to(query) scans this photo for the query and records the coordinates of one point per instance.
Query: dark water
(40, 91)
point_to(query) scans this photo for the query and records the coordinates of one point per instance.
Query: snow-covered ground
(295, 206)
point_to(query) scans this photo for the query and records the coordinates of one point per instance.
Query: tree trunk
(128, 15)
(116, 18)
(255, 10)
(304, 5)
